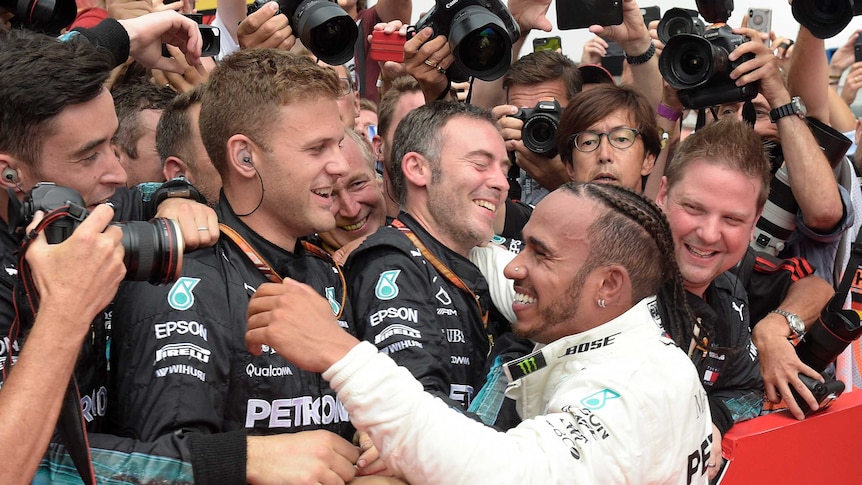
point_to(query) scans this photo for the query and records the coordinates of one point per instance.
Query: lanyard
(441, 268)
(265, 269)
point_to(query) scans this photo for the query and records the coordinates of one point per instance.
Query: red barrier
(776, 448)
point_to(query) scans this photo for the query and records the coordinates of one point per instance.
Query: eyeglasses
(345, 86)
(589, 141)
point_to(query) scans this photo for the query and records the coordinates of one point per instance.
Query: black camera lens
(480, 43)
(824, 18)
(689, 61)
(326, 30)
(828, 337)
(153, 250)
(48, 16)
(539, 135)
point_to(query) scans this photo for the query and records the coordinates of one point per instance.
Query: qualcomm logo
(386, 288)
(181, 296)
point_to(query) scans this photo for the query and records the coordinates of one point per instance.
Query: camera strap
(265, 269)
(850, 272)
(73, 432)
(443, 270)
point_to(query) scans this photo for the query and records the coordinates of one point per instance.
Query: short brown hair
(542, 66)
(386, 109)
(729, 143)
(246, 91)
(590, 107)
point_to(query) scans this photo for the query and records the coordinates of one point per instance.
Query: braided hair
(636, 234)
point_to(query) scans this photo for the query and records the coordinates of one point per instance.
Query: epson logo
(300, 411)
(404, 314)
(397, 330)
(183, 349)
(182, 327)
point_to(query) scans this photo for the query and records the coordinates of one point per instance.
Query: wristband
(175, 188)
(642, 58)
(668, 113)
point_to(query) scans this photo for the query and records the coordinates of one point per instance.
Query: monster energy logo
(528, 365)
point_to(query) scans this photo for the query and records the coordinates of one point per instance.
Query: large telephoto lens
(481, 45)
(689, 61)
(828, 337)
(326, 30)
(154, 250)
(823, 18)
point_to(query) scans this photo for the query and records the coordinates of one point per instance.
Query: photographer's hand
(427, 59)
(594, 50)
(763, 68)
(266, 28)
(191, 76)
(780, 366)
(148, 32)
(197, 222)
(530, 14)
(844, 56)
(82, 273)
(852, 83)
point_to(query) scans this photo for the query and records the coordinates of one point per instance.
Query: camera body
(539, 133)
(322, 26)
(481, 33)
(698, 68)
(679, 21)
(823, 392)
(153, 250)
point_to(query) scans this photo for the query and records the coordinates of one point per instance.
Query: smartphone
(858, 48)
(760, 19)
(548, 44)
(580, 14)
(651, 13)
(387, 47)
(614, 57)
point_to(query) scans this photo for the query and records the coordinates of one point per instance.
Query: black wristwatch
(794, 107)
(175, 188)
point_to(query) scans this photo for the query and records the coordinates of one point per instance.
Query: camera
(778, 219)
(322, 26)
(823, 392)
(825, 19)
(211, 45)
(679, 21)
(715, 11)
(48, 16)
(539, 133)
(821, 345)
(698, 68)
(480, 32)
(153, 250)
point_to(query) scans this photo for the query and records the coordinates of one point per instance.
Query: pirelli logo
(518, 368)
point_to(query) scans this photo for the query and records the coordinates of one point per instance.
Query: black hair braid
(649, 216)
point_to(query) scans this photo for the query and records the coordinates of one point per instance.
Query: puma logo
(738, 308)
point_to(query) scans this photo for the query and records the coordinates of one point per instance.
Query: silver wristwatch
(796, 324)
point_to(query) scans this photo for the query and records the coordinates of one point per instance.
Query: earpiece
(245, 157)
(10, 174)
